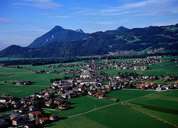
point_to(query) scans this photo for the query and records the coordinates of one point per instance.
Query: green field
(166, 68)
(89, 112)
(41, 81)
(10, 74)
(135, 108)
(161, 69)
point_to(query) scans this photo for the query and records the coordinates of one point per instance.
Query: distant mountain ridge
(60, 42)
(3, 45)
(58, 34)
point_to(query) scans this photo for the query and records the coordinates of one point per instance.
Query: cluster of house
(30, 119)
(91, 83)
(136, 64)
(26, 112)
(146, 82)
(164, 87)
(6, 102)
(74, 88)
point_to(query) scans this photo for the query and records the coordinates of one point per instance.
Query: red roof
(36, 113)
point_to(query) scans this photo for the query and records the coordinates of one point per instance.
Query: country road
(132, 106)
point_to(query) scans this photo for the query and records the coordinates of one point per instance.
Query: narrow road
(94, 109)
(126, 103)
(103, 107)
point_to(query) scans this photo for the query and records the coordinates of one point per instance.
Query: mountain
(3, 45)
(153, 38)
(15, 51)
(58, 34)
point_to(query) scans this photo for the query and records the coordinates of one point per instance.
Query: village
(28, 111)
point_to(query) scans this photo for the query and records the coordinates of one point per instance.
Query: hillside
(58, 34)
(61, 42)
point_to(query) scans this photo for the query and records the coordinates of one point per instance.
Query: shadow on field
(160, 109)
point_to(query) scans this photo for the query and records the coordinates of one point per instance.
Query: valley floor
(128, 112)
(124, 108)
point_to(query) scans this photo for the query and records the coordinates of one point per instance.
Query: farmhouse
(99, 94)
(146, 85)
(22, 82)
(85, 74)
(142, 68)
(40, 72)
(3, 100)
(30, 119)
(162, 88)
(176, 84)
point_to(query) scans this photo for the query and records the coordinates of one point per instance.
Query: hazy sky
(21, 21)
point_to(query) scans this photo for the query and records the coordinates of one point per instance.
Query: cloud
(141, 8)
(164, 23)
(104, 23)
(41, 4)
(61, 16)
(129, 6)
(4, 20)
(146, 7)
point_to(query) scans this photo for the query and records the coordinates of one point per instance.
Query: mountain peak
(80, 30)
(58, 34)
(121, 28)
(57, 27)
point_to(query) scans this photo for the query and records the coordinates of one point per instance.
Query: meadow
(134, 108)
(160, 69)
(40, 81)
(89, 112)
